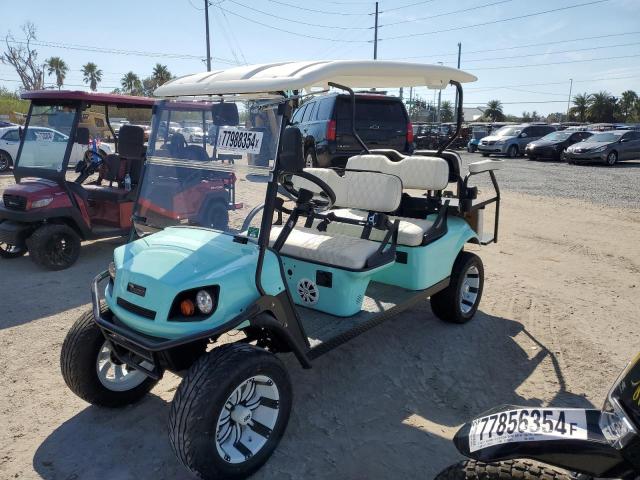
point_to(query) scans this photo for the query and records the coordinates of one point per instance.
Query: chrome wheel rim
(247, 419)
(11, 249)
(4, 162)
(114, 375)
(469, 289)
(309, 161)
(611, 159)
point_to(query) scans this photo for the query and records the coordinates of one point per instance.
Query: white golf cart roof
(284, 76)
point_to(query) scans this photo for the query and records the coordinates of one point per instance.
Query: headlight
(499, 142)
(112, 271)
(43, 202)
(600, 149)
(204, 302)
(615, 425)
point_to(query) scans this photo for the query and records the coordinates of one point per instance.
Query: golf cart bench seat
(338, 250)
(104, 193)
(417, 172)
(369, 191)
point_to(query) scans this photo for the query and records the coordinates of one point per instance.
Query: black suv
(325, 121)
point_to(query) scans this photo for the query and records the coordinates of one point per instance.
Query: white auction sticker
(238, 140)
(43, 136)
(527, 425)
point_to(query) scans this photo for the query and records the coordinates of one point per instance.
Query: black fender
(588, 453)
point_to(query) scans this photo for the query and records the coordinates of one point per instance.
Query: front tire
(612, 158)
(512, 151)
(230, 412)
(54, 246)
(11, 251)
(5, 161)
(509, 469)
(93, 373)
(485, 154)
(459, 302)
(310, 159)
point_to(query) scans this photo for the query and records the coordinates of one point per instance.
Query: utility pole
(375, 36)
(206, 21)
(569, 101)
(459, 54)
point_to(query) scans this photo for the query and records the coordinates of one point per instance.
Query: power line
(556, 63)
(231, 33)
(289, 31)
(318, 11)
(514, 47)
(406, 6)
(493, 22)
(553, 53)
(296, 20)
(445, 13)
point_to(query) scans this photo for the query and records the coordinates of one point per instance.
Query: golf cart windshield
(208, 165)
(46, 136)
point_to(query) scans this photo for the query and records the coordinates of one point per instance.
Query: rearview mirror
(291, 158)
(82, 135)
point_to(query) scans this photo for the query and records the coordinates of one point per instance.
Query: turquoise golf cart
(307, 258)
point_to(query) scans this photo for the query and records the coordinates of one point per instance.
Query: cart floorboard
(381, 302)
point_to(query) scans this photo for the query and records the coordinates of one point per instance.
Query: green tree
(602, 107)
(131, 83)
(161, 74)
(628, 101)
(446, 111)
(92, 75)
(494, 111)
(581, 103)
(526, 116)
(57, 66)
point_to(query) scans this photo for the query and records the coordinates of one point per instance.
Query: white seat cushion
(410, 231)
(339, 250)
(419, 172)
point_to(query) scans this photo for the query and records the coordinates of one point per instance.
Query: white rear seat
(417, 172)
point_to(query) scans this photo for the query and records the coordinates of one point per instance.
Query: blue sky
(521, 60)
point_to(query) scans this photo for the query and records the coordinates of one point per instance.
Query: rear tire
(459, 302)
(512, 151)
(217, 216)
(310, 159)
(213, 423)
(509, 469)
(86, 362)
(5, 161)
(54, 246)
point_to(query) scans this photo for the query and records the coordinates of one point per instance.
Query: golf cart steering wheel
(307, 189)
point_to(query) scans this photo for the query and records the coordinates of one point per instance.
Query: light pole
(569, 101)
(206, 21)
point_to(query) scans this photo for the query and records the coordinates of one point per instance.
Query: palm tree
(581, 103)
(602, 107)
(59, 67)
(92, 75)
(494, 111)
(628, 100)
(446, 111)
(161, 74)
(131, 83)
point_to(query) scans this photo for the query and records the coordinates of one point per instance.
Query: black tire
(217, 216)
(12, 251)
(485, 154)
(310, 160)
(446, 304)
(78, 358)
(508, 469)
(512, 151)
(201, 398)
(612, 158)
(5, 161)
(54, 246)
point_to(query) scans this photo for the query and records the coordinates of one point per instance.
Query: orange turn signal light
(187, 307)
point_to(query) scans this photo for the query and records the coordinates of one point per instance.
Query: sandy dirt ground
(558, 320)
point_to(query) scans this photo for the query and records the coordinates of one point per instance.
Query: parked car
(606, 147)
(192, 134)
(554, 145)
(325, 122)
(511, 140)
(10, 142)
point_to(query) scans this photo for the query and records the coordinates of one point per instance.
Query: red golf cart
(47, 214)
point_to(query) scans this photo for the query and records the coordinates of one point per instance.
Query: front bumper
(546, 152)
(492, 148)
(586, 156)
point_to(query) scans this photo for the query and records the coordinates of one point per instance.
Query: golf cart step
(381, 302)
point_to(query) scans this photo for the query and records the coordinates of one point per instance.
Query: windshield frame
(19, 171)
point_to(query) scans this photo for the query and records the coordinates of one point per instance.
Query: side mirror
(624, 140)
(523, 135)
(82, 136)
(291, 157)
